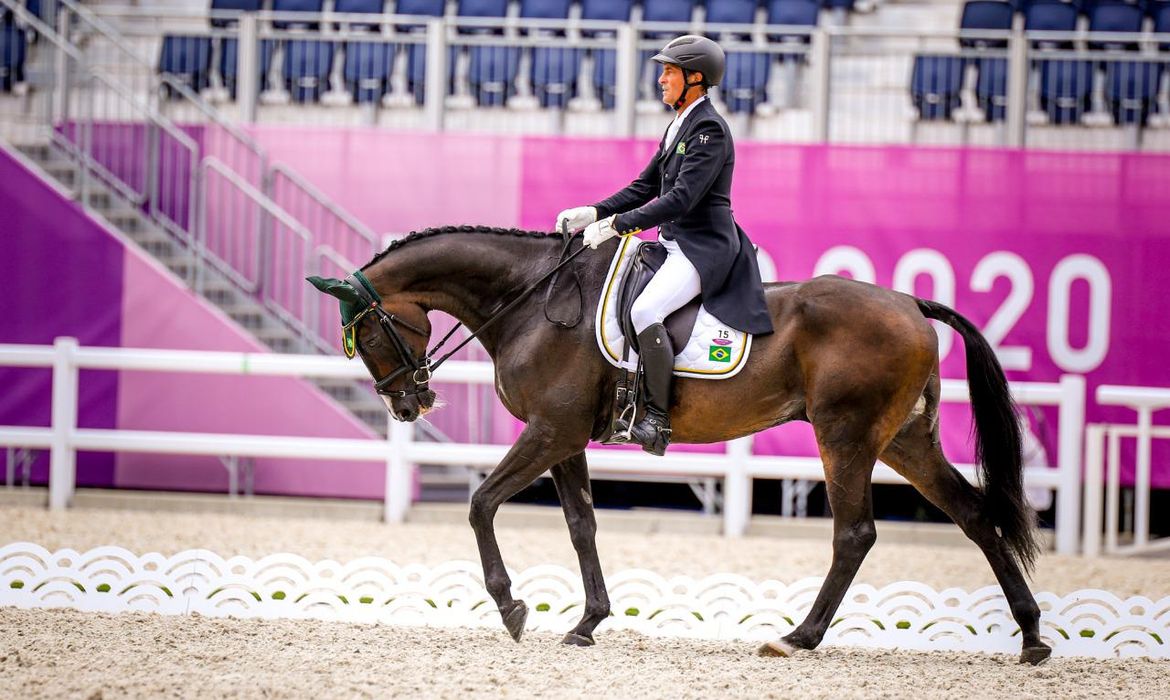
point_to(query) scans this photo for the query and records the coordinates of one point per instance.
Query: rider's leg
(675, 284)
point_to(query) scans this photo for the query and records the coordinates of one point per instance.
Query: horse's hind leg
(849, 456)
(915, 454)
(572, 481)
(535, 451)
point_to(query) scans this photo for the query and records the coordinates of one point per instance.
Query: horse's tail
(998, 450)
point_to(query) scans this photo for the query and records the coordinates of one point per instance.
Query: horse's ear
(335, 288)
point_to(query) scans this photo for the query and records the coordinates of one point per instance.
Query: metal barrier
(1103, 470)
(737, 466)
(823, 84)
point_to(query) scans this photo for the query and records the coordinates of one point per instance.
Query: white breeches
(675, 283)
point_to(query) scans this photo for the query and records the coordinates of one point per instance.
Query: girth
(645, 261)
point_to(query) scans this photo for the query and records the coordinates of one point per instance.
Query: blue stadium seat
(1131, 88)
(1066, 89)
(544, 9)
(605, 77)
(238, 5)
(423, 8)
(991, 87)
(986, 15)
(840, 4)
(492, 74)
(731, 12)
(482, 8)
(188, 58)
(305, 6)
(554, 75)
(666, 11)
(368, 66)
(1162, 24)
(13, 51)
(745, 81)
(610, 10)
(1115, 18)
(229, 63)
(794, 13)
(360, 7)
(307, 63)
(1051, 17)
(935, 84)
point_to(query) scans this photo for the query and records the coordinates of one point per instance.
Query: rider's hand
(600, 232)
(578, 218)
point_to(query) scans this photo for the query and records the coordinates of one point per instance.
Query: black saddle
(647, 259)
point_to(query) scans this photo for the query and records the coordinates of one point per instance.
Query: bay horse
(857, 361)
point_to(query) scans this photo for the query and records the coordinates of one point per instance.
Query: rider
(685, 192)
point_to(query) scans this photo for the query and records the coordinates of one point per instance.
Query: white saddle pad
(714, 351)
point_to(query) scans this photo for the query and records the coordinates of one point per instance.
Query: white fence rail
(737, 466)
(1103, 471)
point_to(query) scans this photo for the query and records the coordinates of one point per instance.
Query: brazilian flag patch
(682, 148)
(719, 354)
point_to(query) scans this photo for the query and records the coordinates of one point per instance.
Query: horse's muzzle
(409, 408)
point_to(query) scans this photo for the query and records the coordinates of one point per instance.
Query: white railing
(1103, 470)
(737, 466)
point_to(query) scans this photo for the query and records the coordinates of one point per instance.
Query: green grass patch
(16, 584)
(542, 607)
(902, 624)
(279, 595)
(366, 600)
(103, 588)
(631, 612)
(1088, 633)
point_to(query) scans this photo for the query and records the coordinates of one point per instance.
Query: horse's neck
(465, 275)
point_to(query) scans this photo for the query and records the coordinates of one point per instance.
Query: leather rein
(422, 368)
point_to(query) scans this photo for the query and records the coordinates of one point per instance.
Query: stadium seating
(985, 15)
(482, 8)
(492, 74)
(367, 69)
(1066, 89)
(1115, 18)
(605, 60)
(305, 6)
(229, 63)
(991, 87)
(1162, 24)
(1131, 88)
(306, 67)
(423, 8)
(793, 13)
(666, 11)
(745, 80)
(187, 58)
(12, 56)
(734, 12)
(1051, 17)
(360, 7)
(238, 5)
(554, 75)
(935, 84)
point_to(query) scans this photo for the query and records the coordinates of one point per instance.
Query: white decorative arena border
(905, 615)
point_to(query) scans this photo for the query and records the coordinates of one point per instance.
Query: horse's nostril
(404, 414)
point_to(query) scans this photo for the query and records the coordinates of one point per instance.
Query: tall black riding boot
(652, 432)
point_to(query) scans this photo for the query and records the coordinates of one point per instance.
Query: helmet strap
(687, 85)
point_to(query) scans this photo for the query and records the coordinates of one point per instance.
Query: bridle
(421, 369)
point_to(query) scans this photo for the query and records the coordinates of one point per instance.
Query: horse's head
(391, 340)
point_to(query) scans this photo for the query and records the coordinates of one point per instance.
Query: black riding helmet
(693, 53)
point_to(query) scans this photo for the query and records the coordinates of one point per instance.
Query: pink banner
(1061, 259)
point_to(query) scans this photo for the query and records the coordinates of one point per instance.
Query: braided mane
(440, 230)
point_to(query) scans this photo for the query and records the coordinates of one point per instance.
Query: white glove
(600, 232)
(578, 218)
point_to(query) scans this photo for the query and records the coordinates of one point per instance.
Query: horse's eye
(372, 341)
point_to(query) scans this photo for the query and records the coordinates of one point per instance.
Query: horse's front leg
(535, 451)
(572, 481)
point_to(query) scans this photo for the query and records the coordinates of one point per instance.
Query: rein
(424, 368)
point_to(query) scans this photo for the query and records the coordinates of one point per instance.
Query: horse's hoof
(578, 640)
(515, 618)
(1035, 655)
(777, 648)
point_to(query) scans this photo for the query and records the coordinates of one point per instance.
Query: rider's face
(671, 82)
